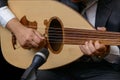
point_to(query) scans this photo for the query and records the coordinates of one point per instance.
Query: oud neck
(79, 36)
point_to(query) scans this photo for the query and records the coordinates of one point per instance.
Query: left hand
(95, 48)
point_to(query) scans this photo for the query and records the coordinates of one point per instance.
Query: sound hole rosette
(54, 31)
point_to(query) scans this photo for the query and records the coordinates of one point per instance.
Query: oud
(63, 28)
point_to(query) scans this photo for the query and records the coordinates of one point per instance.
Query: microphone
(39, 59)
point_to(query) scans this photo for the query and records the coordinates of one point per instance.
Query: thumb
(101, 28)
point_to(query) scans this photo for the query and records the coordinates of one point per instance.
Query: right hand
(28, 38)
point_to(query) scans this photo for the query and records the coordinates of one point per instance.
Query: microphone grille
(44, 53)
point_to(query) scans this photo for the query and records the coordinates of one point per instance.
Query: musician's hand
(95, 48)
(27, 37)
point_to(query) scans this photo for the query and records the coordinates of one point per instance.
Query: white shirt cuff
(5, 15)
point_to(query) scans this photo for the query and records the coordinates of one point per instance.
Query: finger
(91, 46)
(86, 48)
(101, 28)
(38, 38)
(82, 49)
(27, 46)
(34, 44)
(100, 48)
(39, 35)
(97, 44)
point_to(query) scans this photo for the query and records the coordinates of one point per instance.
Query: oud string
(71, 34)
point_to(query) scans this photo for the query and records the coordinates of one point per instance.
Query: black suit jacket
(108, 15)
(3, 3)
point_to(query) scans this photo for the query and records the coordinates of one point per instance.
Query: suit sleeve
(3, 3)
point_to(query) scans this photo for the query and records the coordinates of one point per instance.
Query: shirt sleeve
(5, 13)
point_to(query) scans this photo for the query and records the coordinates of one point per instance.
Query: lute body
(40, 11)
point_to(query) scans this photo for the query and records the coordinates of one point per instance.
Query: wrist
(101, 53)
(14, 26)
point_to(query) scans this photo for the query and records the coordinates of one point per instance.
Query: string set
(76, 35)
